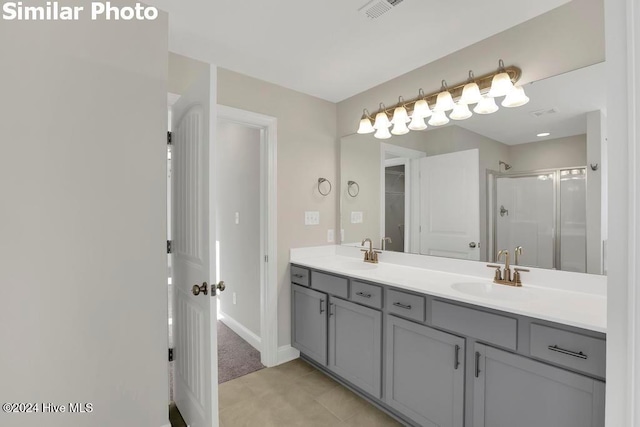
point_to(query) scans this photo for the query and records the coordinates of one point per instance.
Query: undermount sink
(492, 291)
(358, 265)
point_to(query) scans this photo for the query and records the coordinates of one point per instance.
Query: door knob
(221, 286)
(197, 290)
(472, 245)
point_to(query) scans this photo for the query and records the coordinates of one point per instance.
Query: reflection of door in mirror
(394, 207)
(450, 205)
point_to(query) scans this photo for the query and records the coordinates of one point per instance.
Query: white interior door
(196, 373)
(450, 205)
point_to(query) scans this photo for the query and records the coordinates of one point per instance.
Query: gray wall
(564, 39)
(238, 153)
(549, 154)
(307, 150)
(83, 314)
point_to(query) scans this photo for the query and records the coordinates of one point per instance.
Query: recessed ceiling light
(543, 134)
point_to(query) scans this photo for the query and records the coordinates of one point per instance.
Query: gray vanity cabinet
(511, 390)
(309, 323)
(355, 344)
(425, 374)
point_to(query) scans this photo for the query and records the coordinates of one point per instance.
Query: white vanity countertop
(582, 310)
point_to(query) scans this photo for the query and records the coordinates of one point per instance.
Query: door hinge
(169, 246)
(266, 258)
(170, 355)
(169, 138)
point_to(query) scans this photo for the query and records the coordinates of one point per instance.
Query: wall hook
(594, 167)
(320, 182)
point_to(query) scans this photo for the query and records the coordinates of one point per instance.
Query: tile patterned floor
(294, 394)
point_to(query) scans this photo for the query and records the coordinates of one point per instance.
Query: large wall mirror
(531, 177)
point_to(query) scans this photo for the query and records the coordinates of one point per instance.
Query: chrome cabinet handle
(321, 306)
(456, 364)
(401, 305)
(363, 295)
(298, 276)
(477, 364)
(331, 309)
(557, 349)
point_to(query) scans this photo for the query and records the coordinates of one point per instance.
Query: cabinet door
(355, 344)
(425, 374)
(310, 323)
(511, 390)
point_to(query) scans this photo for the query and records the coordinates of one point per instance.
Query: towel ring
(350, 186)
(321, 181)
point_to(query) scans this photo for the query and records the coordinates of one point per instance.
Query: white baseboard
(241, 330)
(286, 353)
(166, 425)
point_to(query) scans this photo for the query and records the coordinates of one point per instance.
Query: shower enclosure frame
(492, 209)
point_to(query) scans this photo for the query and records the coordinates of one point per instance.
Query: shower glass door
(545, 213)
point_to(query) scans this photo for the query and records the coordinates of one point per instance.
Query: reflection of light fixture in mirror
(487, 105)
(543, 134)
(460, 112)
(353, 188)
(382, 133)
(365, 124)
(444, 101)
(439, 118)
(501, 84)
(470, 92)
(515, 98)
(417, 123)
(400, 119)
(400, 129)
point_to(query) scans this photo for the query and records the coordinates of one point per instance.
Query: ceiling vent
(376, 8)
(544, 112)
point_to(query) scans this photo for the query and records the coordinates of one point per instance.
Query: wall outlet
(356, 218)
(237, 218)
(330, 236)
(312, 218)
(235, 300)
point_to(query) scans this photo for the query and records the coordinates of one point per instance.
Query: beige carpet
(236, 357)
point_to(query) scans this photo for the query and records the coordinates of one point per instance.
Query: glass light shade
(515, 98)
(444, 102)
(365, 126)
(382, 133)
(417, 123)
(439, 118)
(487, 105)
(421, 109)
(400, 128)
(470, 94)
(382, 121)
(501, 85)
(460, 112)
(400, 116)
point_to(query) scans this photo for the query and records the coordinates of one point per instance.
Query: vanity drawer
(299, 276)
(406, 305)
(364, 293)
(487, 327)
(570, 349)
(333, 285)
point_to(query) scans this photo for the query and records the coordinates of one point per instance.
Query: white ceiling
(572, 94)
(326, 48)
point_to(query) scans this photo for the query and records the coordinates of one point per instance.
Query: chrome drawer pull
(405, 306)
(363, 295)
(557, 349)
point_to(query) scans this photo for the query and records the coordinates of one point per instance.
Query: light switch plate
(330, 236)
(311, 218)
(356, 217)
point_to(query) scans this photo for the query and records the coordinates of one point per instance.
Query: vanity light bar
(486, 83)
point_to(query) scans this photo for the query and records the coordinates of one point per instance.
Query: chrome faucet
(384, 241)
(504, 277)
(370, 255)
